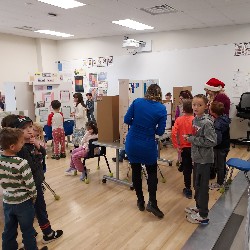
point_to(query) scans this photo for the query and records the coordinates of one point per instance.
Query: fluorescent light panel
(133, 24)
(53, 33)
(65, 4)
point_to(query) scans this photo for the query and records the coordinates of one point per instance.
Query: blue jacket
(222, 129)
(146, 119)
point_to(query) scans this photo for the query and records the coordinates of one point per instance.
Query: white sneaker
(191, 210)
(71, 171)
(197, 219)
(215, 186)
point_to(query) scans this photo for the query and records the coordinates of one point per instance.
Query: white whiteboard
(180, 68)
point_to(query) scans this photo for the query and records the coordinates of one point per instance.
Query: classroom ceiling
(95, 18)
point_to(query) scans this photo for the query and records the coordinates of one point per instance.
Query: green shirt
(16, 180)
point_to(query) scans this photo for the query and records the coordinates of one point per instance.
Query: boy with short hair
(203, 140)
(55, 119)
(222, 129)
(28, 153)
(183, 126)
(19, 191)
(90, 107)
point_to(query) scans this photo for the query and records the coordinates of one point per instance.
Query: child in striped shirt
(19, 191)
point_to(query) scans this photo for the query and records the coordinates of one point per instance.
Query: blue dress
(146, 119)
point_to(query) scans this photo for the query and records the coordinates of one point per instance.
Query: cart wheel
(86, 181)
(170, 164)
(57, 197)
(104, 180)
(163, 180)
(111, 175)
(98, 167)
(132, 188)
(222, 190)
(177, 164)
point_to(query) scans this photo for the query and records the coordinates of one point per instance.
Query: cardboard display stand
(108, 118)
(176, 99)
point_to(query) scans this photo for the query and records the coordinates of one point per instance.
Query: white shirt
(80, 116)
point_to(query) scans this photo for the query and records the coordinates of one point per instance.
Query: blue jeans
(22, 214)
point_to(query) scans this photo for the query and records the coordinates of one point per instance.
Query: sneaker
(114, 159)
(55, 157)
(43, 248)
(191, 210)
(54, 236)
(71, 171)
(215, 186)
(197, 219)
(141, 205)
(187, 192)
(62, 155)
(153, 208)
(83, 176)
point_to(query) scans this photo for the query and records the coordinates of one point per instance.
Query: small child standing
(90, 107)
(19, 191)
(39, 136)
(27, 152)
(203, 139)
(183, 126)
(55, 119)
(221, 125)
(82, 151)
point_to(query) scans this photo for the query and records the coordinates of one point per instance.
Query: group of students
(202, 138)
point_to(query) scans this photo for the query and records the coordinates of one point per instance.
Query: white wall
(183, 39)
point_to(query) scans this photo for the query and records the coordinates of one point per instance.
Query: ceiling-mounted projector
(131, 44)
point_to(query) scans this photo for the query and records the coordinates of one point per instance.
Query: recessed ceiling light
(65, 4)
(133, 24)
(53, 33)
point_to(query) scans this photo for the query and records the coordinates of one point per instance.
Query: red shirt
(182, 126)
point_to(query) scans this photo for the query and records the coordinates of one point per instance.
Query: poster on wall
(64, 96)
(47, 97)
(93, 80)
(66, 110)
(43, 114)
(102, 76)
(94, 92)
(79, 84)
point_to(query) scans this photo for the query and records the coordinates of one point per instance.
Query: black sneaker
(187, 192)
(141, 205)
(126, 158)
(54, 236)
(43, 248)
(153, 208)
(114, 159)
(55, 157)
(62, 155)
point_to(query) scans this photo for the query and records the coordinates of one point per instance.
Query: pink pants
(76, 156)
(58, 138)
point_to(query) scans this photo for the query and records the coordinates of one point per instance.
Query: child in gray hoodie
(203, 140)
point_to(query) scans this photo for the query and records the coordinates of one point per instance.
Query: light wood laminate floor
(105, 216)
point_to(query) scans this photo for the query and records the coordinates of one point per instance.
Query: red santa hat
(214, 85)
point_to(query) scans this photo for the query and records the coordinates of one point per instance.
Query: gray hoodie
(203, 140)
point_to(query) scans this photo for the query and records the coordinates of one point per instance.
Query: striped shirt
(16, 180)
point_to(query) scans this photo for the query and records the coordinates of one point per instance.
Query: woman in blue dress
(146, 118)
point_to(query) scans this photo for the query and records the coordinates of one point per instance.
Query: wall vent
(160, 9)
(25, 28)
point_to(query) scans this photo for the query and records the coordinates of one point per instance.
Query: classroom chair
(95, 151)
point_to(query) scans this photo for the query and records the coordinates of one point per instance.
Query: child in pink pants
(79, 153)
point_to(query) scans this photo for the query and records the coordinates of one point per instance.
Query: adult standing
(80, 117)
(146, 118)
(215, 90)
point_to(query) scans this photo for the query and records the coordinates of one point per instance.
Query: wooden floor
(105, 216)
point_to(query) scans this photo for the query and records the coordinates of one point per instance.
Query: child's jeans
(220, 156)
(202, 176)
(187, 166)
(22, 214)
(58, 138)
(76, 156)
(90, 116)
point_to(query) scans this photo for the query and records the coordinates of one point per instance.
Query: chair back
(68, 127)
(244, 104)
(92, 148)
(48, 133)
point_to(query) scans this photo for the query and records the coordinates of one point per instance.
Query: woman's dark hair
(79, 99)
(186, 94)
(154, 93)
(93, 126)
(187, 106)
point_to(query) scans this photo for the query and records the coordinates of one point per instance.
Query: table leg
(117, 164)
